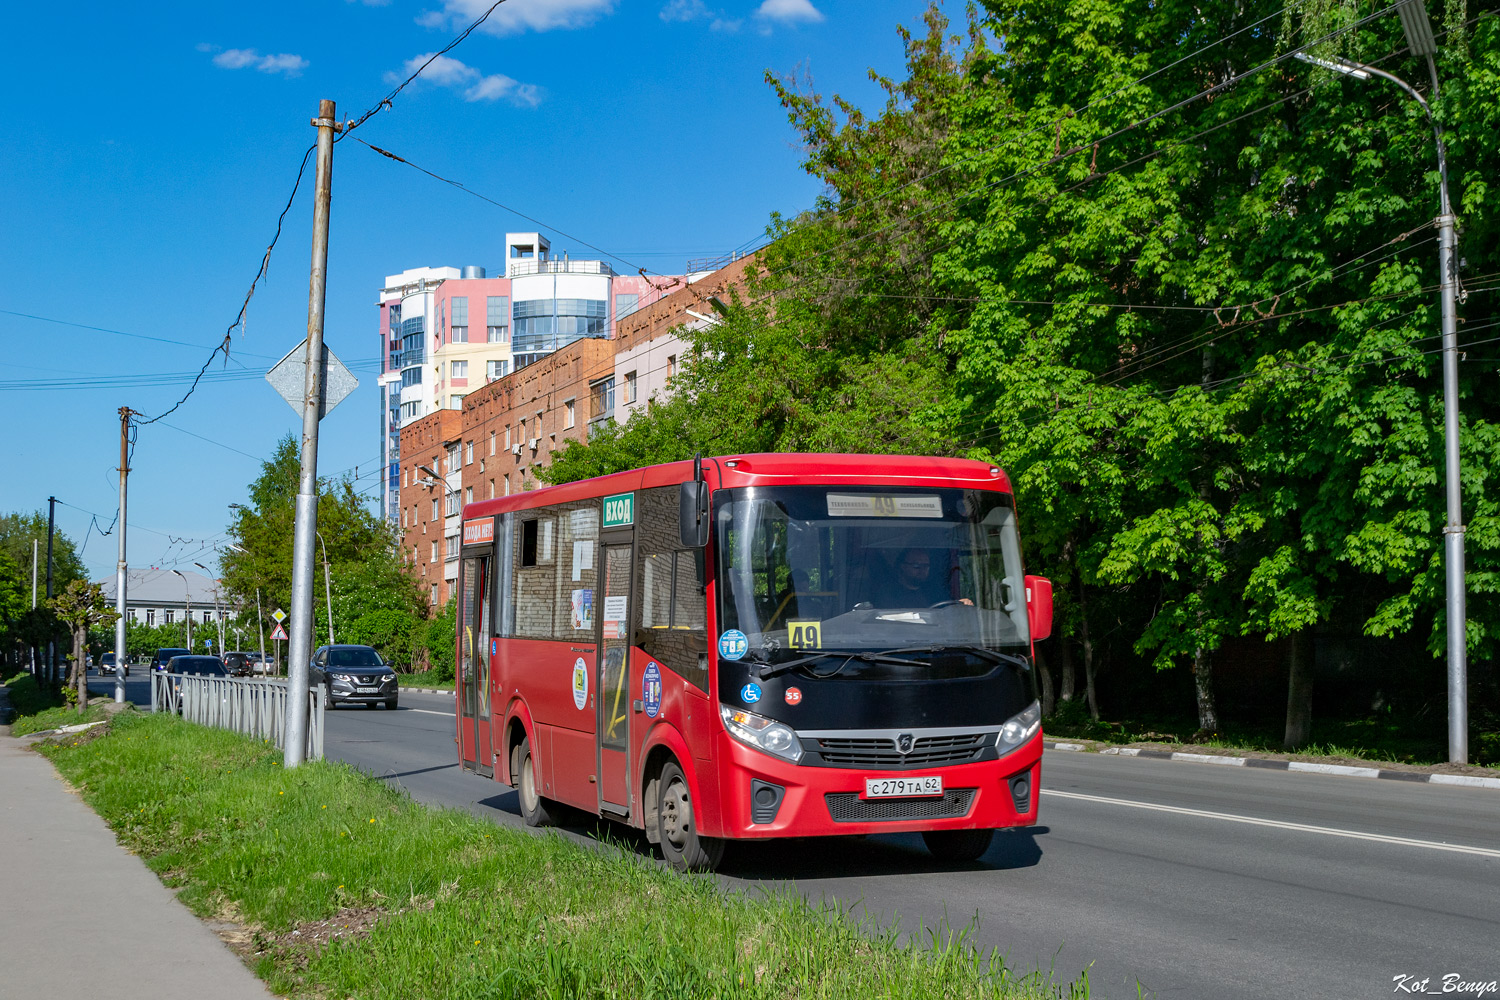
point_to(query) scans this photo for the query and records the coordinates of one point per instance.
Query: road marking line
(428, 711)
(1279, 825)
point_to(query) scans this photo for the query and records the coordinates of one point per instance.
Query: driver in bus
(914, 584)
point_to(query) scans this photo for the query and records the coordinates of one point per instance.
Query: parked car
(160, 660)
(354, 675)
(200, 666)
(242, 664)
(107, 664)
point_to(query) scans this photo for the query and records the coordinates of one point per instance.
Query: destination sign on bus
(619, 510)
(480, 531)
(876, 505)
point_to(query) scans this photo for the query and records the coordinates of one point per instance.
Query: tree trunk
(1066, 684)
(1088, 653)
(1044, 674)
(1203, 680)
(81, 664)
(1299, 692)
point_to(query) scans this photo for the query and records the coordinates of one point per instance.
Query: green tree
(82, 606)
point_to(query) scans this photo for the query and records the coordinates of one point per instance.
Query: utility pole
(35, 543)
(307, 494)
(120, 567)
(260, 626)
(51, 646)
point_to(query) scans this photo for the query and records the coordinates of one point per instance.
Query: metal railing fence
(255, 706)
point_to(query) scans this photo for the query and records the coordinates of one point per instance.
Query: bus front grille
(881, 753)
(848, 807)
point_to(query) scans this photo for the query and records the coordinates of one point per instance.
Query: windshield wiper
(766, 670)
(993, 655)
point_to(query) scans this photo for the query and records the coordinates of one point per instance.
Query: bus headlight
(763, 734)
(1020, 727)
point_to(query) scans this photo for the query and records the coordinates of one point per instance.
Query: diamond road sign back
(289, 377)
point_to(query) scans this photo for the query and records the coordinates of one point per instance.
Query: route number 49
(804, 635)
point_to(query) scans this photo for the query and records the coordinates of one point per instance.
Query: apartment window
(150, 616)
(492, 489)
(505, 483)
(459, 369)
(452, 547)
(569, 419)
(433, 556)
(496, 369)
(469, 453)
(170, 614)
(409, 411)
(458, 314)
(434, 508)
(452, 458)
(603, 397)
(671, 365)
(433, 595)
(492, 442)
(455, 402)
(507, 437)
(625, 304)
(451, 504)
(403, 517)
(497, 319)
(630, 387)
(468, 494)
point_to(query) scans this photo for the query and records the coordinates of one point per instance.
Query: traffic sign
(288, 377)
(279, 615)
(278, 632)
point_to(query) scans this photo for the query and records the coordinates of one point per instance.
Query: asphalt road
(1188, 880)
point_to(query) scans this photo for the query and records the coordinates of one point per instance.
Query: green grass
(467, 909)
(1377, 738)
(427, 678)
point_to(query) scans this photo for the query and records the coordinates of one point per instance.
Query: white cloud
(284, 63)
(790, 12)
(516, 16)
(445, 71)
(725, 25)
(684, 10)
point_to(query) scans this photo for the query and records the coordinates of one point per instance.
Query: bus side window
(673, 622)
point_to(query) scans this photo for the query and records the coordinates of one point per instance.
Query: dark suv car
(242, 664)
(159, 661)
(354, 675)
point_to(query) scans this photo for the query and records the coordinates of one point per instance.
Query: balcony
(521, 268)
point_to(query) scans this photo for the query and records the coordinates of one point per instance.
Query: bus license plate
(901, 788)
(367, 690)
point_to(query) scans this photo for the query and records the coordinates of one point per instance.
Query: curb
(429, 690)
(1343, 770)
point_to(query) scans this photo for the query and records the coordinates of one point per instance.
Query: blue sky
(151, 147)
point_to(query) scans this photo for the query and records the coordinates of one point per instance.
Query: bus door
(474, 661)
(613, 666)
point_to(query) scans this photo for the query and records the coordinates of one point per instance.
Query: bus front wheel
(958, 845)
(535, 810)
(681, 845)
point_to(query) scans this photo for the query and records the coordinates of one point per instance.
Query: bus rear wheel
(958, 845)
(677, 829)
(535, 810)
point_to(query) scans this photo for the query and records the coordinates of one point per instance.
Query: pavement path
(82, 917)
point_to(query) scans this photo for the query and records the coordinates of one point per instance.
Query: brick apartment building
(508, 429)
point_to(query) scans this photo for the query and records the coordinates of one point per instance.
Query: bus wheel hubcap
(528, 784)
(676, 814)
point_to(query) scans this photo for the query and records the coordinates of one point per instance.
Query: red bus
(757, 646)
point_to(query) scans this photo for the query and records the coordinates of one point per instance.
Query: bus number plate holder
(904, 788)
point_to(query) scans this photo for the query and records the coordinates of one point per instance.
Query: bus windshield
(871, 570)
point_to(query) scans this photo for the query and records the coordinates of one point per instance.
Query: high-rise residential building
(446, 331)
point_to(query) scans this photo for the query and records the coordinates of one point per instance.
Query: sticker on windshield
(804, 634)
(750, 694)
(651, 690)
(793, 696)
(733, 644)
(877, 505)
(580, 683)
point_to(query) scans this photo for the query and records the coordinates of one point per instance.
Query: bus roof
(767, 469)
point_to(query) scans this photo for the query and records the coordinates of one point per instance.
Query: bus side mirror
(692, 514)
(1039, 606)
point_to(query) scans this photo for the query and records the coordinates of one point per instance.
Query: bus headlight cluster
(763, 734)
(1020, 727)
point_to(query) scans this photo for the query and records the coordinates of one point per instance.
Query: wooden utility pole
(120, 564)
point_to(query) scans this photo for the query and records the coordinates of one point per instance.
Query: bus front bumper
(762, 796)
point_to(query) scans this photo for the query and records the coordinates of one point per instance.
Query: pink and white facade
(446, 331)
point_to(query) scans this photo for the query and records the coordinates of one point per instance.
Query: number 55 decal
(804, 635)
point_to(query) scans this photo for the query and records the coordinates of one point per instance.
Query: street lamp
(327, 587)
(218, 618)
(187, 592)
(1418, 29)
(260, 623)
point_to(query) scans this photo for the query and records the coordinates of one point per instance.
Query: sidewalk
(81, 917)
